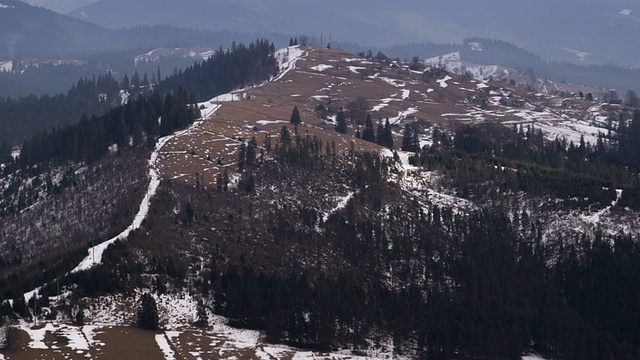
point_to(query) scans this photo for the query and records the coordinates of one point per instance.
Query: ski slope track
(287, 59)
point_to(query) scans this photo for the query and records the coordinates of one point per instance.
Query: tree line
(522, 160)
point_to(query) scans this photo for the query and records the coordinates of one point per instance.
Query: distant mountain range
(578, 30)
(27, 31)
(61, 6)
(34, 32)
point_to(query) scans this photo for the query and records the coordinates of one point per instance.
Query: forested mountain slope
(359, 205)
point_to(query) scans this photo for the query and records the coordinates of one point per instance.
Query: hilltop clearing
(322, 81)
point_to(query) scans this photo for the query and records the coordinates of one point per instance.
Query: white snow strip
(267, 122)
(341, 205)
(94, 256)
(36, 336)
(163, 344)
(77, 340)
(379, 107)
(354, 69)
(321, 67)
(287, 59)
(226, 98)
(403, 115)
(393, 82)
(6, 66)
(89, 333)
(405, 94)
(443, 82)
(532, 357)
(438, 60)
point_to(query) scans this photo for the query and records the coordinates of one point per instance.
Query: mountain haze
(61, 6)
(27, 31)
(33, 32)
(554, 29)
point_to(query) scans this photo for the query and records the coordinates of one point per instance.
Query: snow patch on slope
(287, 59)
(321, 67)
(341, 205)
(6, 66)
(226, 98)
(443, 82)
(36, 336)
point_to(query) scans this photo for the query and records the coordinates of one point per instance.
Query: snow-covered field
(177, 340)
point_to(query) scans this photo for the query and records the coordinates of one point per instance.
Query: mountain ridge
(546, 29)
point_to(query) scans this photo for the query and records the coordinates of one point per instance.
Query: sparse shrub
(201, 315)
(80, 317)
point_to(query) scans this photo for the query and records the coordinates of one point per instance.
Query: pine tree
(380, 134)
(251, 151)
(135, 81)
(190, 213)
(251, 184)
(410, 140)
(341, 122)
(225, 180)
(368, 134)
(387, 136)
(219, 182)
(125, 82)
(295, 116)
(242, 155)
(147, 312)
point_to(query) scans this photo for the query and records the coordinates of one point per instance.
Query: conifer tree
(242, 155)
(251, 151)
(125, 82)
(147, 313)
(387, 135)
(295, 116)
(225, 180)
(380, 134)
(368, 134)
(135, 80)
(410, 139)
(341, 122)
(219, 184)
(251, 184)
